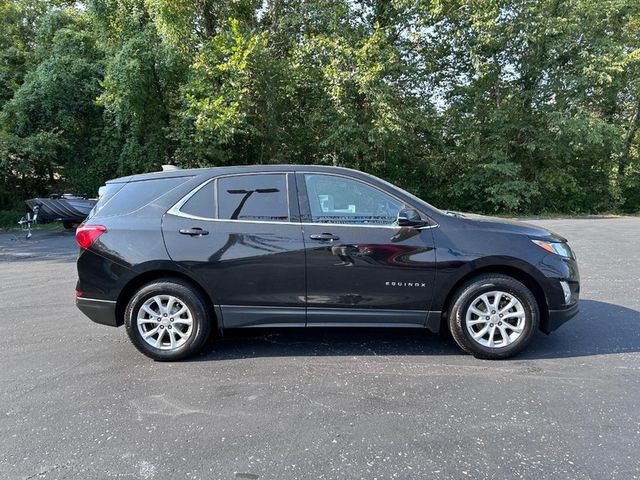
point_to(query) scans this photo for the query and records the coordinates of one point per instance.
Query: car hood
(506, 226)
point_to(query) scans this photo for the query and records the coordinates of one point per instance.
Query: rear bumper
(100, 311)
(559, 317)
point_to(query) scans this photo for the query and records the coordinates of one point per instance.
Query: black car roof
(216, 171)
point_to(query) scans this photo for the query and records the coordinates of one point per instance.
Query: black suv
(178, 254)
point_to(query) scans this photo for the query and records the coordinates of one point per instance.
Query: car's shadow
(600, 328)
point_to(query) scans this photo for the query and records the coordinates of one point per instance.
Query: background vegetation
(514, 106)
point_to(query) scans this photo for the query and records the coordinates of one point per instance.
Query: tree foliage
(496, 106)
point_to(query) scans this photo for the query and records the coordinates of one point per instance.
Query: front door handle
(194, 232)
(323, 237)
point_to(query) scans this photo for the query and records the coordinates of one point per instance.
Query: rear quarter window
(133, 195)
(201, 204)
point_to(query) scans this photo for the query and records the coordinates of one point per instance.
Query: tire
(67, 225)
(185, 321)
(513, 328)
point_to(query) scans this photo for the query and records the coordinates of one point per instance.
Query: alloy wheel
(495, 319)
(165, 322)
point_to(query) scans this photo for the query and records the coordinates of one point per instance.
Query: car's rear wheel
(493, 316)
(167, 320)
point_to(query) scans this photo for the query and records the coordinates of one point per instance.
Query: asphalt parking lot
(77, 401)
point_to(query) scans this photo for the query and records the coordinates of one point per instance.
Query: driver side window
(339, 200)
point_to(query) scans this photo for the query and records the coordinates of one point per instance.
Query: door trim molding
(372, 317)
(265, 316)
(250, 316)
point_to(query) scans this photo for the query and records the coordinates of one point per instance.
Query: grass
(547, 215)
(9, 221)
(40, 226)
(544, 215)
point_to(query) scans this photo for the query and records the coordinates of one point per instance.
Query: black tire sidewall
(469, 292)
(189, 297)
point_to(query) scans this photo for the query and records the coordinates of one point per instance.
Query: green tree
(517, 106)
(52, 118)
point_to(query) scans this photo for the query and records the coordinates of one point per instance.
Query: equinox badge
(406, 284)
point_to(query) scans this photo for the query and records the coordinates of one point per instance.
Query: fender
(451, 274)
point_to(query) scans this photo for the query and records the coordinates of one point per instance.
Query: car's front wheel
(167, 320)
(493, 316)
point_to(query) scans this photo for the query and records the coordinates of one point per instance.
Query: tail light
(87, 234)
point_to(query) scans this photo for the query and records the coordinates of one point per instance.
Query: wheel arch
(519, 274)
(143, 278)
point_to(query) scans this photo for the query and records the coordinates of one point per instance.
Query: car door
(361, 267)
(240, 237)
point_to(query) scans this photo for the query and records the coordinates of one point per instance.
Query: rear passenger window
(253, 197)
(201, 203)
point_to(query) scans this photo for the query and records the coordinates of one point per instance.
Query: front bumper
(100, 311)
(559, 317)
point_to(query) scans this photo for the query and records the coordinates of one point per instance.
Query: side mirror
(409, 217)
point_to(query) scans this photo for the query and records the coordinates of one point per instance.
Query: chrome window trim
(393, 227)
(175, 210)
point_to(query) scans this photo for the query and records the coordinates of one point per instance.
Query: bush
(9, 218)
(631, 193)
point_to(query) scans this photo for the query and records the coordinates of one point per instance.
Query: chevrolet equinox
(178, 254)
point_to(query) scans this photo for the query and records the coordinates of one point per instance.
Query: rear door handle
(323, 236)
(194, 232)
